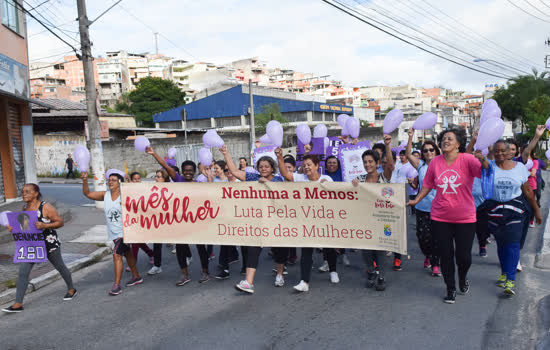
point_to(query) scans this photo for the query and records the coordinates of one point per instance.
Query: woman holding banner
(310, 166)
(266, 172)
(374, 258)
(48, 221)
(453, 212)
(423, 221)
(113, 218)
(183, 251)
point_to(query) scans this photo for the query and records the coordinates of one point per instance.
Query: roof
(57, 107)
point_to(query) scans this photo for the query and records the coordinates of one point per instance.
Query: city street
(409, 314)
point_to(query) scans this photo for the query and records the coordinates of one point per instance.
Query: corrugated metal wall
(2, 191)
(14, 129)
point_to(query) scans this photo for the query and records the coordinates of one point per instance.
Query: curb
(542, 258)
(52, 276)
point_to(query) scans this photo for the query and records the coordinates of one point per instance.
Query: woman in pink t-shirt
(453, 211)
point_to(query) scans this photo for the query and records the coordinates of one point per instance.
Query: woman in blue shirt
(429, 151)
(507, 210)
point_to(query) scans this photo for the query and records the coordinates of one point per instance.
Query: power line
(53, 25)
(56, 55)
(536, 8)
(51, 31)
(54, 64)
(542, 2)
(44, 31)
(404, 40)
(528, 13)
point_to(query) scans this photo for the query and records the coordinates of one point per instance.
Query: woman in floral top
(48, 221)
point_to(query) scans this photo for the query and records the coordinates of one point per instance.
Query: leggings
(252, 257)
(425, 237)
(331, 256)
(157, 254)
(306, 262)
(56, 260)
(183, 251)
(374, 260)
(144, 247)
(280, 254)
(482, 227)
(244, 255)
(447, 235)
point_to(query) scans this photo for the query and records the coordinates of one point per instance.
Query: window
(9, 12)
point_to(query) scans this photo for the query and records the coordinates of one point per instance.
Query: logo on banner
(387, 192)
(387, 230)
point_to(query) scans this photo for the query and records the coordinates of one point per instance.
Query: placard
(30, 245)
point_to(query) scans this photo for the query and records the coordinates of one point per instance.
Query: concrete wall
(50, 152)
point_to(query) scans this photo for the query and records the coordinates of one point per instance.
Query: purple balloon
(425, 121)
(82, 157)
(548, 123)
(485, 151)
(4, 218)
(547, 154)
(392, 121)
(529, 164)
(212, 139)
(381, 141)
(172, 153)
(326, 143)
(352, 127)
(320, 130)
(490, 112)
(488, 104)
(304, 133)
(205, 156)
(345, 131)
(250, 169)
(489, 133)
(265, 139)
(342, 119)
(274, 130)
(411, 172)
(403, 144)
(141, 143)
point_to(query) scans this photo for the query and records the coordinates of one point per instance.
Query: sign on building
(14, 77)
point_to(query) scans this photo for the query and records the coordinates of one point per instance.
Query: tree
(269, 112)
(537, 112)
(151, 96)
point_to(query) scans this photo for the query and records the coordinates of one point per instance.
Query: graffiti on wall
(50, 152)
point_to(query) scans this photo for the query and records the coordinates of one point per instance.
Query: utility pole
(156, 43)
(94, 143)
(251, 113)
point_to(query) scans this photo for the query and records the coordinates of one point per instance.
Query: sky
(314, 37)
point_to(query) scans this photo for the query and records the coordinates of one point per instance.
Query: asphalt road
(68, 194)
(410, 314)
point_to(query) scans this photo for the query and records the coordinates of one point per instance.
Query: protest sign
(351, 161)
(29, 241)
(264, 151)
(336, 215)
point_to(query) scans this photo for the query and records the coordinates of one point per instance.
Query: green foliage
(536, 113)
(269, 112)
(151, 96)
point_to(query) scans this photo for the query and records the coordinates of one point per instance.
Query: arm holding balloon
(239, 174)
(484, 162)
(96, 195)
(390, 165)
(470, 147)
(408, 151)
(527, 151)
(171, 172)
(282, 167)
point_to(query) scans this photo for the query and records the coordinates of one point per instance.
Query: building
(16, 135)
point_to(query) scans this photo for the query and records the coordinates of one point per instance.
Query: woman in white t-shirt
(310, 166)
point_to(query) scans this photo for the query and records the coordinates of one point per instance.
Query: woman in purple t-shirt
(453, 211)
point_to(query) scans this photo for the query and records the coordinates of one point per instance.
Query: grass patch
(101, 245)
(10, 283)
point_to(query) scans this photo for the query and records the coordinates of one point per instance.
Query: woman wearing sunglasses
(429, 151)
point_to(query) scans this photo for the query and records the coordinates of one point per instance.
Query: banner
(331, 215)
(29, 241)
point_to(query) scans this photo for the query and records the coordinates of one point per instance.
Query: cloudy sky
(312, 36)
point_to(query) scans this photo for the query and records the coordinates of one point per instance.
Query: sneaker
(427, 263)
(464, 287)
(204, 277)
(211, 256)
(11, 309)
(436, 272)
(302, 286)
(334, 277)
(115, 290)
(285, 271)
(489, 240)
(531, 223)
(324, 267)
(345, 260)
(509, 287)
(450, 298)
(501, 280)
(154, 270)
(70, 296)
(184, 279)
(380, 284)
(151, 260)
(371, 279)
(397, 264)
(483, 252)
(279, 281)
(519, 268)
(223, 275)
(292, 260)
(189, 260)
(174, 251)
(134, 281)
(244, 286)
(127, 269)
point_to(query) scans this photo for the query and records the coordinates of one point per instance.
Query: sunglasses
(158, 177)
(426, 150)
(225, 170)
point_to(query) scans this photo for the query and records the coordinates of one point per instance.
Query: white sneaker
(174, 251)
(279, 281)
(345, 260)
(324, 267)
(154, 270)
(246, 287)
(519, 268)
(334, 277)
(302, 287)
(189, 260)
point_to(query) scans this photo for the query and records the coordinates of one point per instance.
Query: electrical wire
(349, 12)
(52, 25)
(56, 55)
(542, 2)
(536, 8)
(528, 13)
(44, 31)
(54, 64)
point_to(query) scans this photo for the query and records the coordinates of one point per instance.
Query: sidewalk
(58, 180)
(87, 250)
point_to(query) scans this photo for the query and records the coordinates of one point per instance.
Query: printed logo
(447, 181)
(387, 192)
(114, 215)
(387, 230)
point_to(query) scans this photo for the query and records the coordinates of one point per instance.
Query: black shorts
(120, 248)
